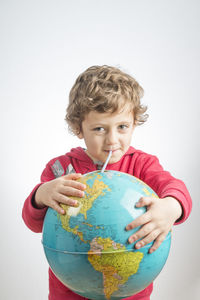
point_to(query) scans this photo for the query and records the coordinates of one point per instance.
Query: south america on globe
(87, 248)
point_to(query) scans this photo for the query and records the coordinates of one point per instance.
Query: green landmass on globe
(115, 268)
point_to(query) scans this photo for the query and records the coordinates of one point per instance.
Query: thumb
(145, 201)
(72, 176)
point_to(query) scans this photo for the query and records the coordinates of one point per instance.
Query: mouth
(113, 150)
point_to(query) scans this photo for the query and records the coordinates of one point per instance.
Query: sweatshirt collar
(80, 154)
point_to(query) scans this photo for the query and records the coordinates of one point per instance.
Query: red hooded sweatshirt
(135, 162)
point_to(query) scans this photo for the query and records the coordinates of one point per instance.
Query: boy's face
(103, 132)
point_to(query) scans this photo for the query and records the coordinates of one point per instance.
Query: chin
(114, 160)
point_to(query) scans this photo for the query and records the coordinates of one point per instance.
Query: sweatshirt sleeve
(165, 185)
(32, 216)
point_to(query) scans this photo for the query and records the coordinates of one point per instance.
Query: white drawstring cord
(106, 162)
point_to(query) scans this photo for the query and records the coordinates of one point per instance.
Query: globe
(88, 249)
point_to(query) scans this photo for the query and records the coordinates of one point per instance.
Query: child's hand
(155, 224)
(57, 191)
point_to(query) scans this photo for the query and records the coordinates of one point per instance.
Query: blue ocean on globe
(88, 249)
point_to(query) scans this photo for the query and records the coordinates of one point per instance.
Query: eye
(123, 126)
(99, 129)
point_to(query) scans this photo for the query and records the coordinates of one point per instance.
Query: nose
(111, 137)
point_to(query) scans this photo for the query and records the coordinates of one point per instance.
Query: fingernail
(132, 240)
(139, 245)
(75, 203)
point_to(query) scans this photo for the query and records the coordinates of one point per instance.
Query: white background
(44, 46)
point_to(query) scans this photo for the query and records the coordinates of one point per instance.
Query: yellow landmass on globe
(148, 193)
(114, 262)
(92, 193)
(144, 189)
(85, 203)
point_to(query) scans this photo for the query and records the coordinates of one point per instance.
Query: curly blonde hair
(103, 89)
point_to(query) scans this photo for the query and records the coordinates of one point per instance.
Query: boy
(104, 109)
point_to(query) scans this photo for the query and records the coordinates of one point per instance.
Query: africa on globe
(88, 249)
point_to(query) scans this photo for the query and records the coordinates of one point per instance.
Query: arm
(152, 173)
(32, 216)
(173, 206)
(50, 192)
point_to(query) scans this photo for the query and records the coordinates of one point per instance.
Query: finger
(72, 176)
(147, 239)
(70, 191)
(157, 243)
(58, 208)
(75, 184)
(145, 218)
(144, 231)
(66, 200)
(145, 201)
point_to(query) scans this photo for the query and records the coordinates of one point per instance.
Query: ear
(78, 132)
(135, 124)
(80, 135)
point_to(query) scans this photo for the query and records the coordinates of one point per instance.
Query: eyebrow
(104, 124)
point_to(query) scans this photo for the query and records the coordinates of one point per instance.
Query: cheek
(92, 142)
(126, 140)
